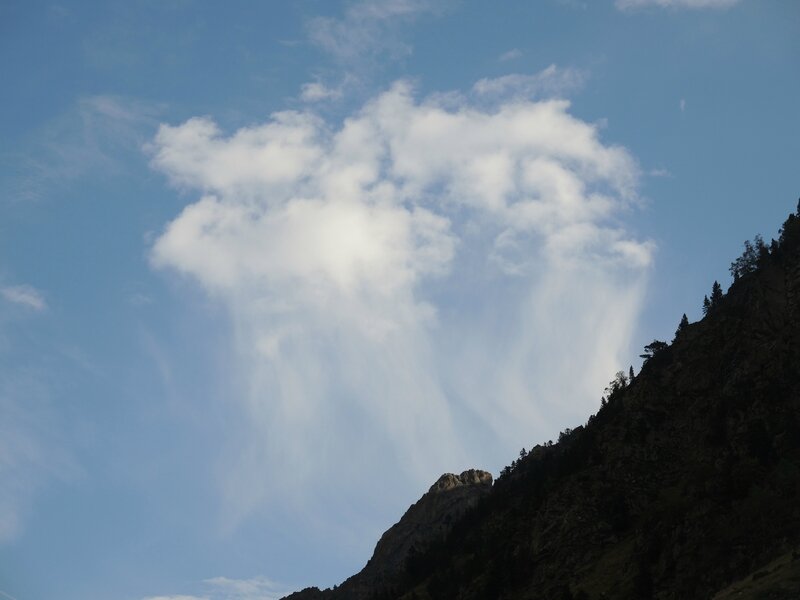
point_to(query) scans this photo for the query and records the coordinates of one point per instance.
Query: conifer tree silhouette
(682, 326)
(716, 294)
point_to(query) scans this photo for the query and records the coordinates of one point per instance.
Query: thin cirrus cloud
(368, 29)
(690, 4)
(224, 588)
(551, 81)
(89, 137)
(512, 54)
(418, 277)
(24, 295)
(32, 452)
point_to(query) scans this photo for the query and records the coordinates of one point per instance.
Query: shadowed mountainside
(685, 484)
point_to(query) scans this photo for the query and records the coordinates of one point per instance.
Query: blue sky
(268, 269)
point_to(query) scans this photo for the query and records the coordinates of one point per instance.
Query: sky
(268, 269)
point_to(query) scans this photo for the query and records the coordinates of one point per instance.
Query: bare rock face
(426, 521)
(473, 477)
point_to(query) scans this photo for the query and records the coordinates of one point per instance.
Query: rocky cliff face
(426, 522)
(684, 485)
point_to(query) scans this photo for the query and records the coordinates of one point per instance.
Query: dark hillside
(685, 484)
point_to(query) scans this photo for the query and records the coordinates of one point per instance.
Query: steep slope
(686, 483)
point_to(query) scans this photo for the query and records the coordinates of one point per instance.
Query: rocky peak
(448, 481)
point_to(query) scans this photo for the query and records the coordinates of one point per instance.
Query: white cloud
(510, 55)
(367, 29)
(24, 295)
(91, 137)
(427, 274)
(225, 588)
(551, 81)
(256, 588)
(691, 4)
(315, 92)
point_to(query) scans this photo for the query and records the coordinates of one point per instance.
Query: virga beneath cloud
(423, 274)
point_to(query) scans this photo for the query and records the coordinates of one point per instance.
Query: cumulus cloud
(411, 291)
(551, 81)
(24, 295)
(690, 4)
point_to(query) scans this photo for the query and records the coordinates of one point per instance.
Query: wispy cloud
(316, 91)
(510, 55)
(689, 4)
(552, 81)
(31, 452)
(356, 262)
(256, 588)
(24, 295)
(225, 588)
(93, 136)
(360, 41)
(368, 29)
(140, 299)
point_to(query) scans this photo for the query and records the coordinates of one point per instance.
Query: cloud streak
(316, 91)
(512, 54)
(400, 285)
(225, 588)
(92, 136)
(551, 81)
(368, 29)
(677, 4)
(31, 451)
(24, 295)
